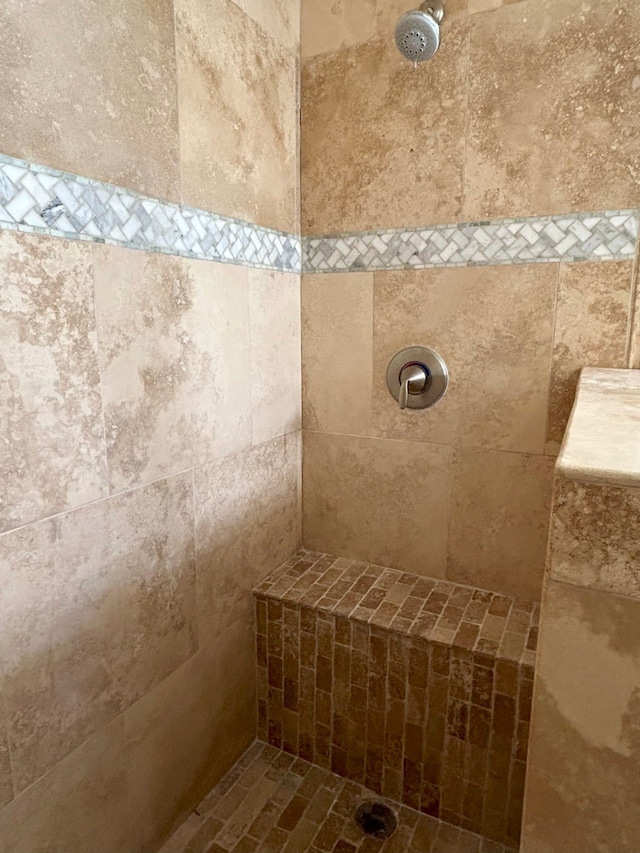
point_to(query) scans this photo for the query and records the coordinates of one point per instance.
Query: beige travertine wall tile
(274, 312)
(238, 95)
(337, 352)
(595, 536)
(52, 454)
(382, 141)
(247, 523)
(499, 520)
(96, 607)
(90, 88)
(475, 6)
(79, 805)
(551, 109)
(493, 326)
(633, 357)
(583, 776)
(186, 733)
(279, 18)
(592, 316)
(331, 25)
(376, 500)
(174, 356)
(6, 778)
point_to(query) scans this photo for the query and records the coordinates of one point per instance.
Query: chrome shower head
(418, 32)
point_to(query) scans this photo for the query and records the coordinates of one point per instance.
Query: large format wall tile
(248, 522)
(52, 454)
(583, 781)
(186, 733)
(279, 18)
(592, 316)
(79, 805)
(89, 87)
(493, 326)
(376, 500)
(337, 352)
(174, 357)
(6, 778)
(500, 504)
(382, 141)
(238, 94)
(552, 124)
(595, 536)
(96, 607)
(274, 312)
(329, 26)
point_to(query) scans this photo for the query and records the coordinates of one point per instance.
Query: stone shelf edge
(602, 440)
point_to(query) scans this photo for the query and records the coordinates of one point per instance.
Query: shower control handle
(413, 380)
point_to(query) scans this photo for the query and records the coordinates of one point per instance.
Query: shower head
(418, 32)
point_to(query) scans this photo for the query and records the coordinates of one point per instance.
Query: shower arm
(434, 8)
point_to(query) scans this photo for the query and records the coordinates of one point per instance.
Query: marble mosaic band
(606, 236)
(38, 199)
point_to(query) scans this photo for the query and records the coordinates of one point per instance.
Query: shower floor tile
(270, 802)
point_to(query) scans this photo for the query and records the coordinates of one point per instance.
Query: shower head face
(417, 35)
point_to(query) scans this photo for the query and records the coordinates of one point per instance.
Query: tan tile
(592, 315)
(6, 778)
(90, 88)
(81, 802)
(582, 777)
(337, 352)
(52, 454)
(279, 18)
(551, 115)
(238, 94)
(475, 6)
(634, 336)
(376, 500)
(174, 337)
(274, 319)
(331, 25)
(595, 536)
(354, 104)
(182, 736)
(96, 606)
(493, 326)
(500, 505)
(248, 523)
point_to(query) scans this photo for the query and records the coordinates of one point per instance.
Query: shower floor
(270, 802)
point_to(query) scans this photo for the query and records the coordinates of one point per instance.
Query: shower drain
(376, 819)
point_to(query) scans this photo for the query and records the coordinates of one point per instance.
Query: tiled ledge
(601, 441)
(473, 619)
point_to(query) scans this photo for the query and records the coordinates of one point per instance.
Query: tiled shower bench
(416, 687)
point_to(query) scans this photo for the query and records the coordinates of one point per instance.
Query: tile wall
(526, 111)
(149, 413)
(582, 785)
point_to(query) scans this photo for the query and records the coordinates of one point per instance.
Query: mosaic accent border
(41, 200)
(605, 236)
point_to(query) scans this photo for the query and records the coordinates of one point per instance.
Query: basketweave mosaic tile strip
(38, 199)
(610, 235)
